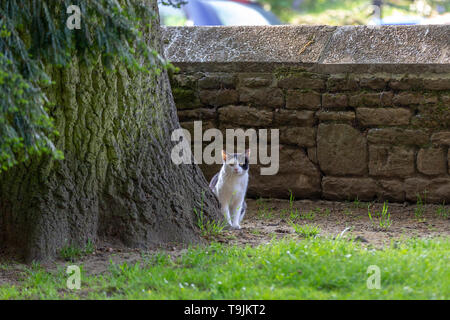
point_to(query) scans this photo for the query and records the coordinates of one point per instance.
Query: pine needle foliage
(33, 35)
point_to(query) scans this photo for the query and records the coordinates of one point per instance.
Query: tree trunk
(117, 182)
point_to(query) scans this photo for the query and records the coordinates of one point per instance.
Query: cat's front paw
(236, 226)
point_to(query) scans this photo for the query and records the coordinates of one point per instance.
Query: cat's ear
(224, 155)
(247, 153)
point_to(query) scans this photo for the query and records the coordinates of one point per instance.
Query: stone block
(341, 150)
(391, 161)
(296, 99)
(383, 116)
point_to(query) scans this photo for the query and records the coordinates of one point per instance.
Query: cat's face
(237, 163)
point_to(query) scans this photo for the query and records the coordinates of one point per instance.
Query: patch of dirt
(266, 219)
(269, 219)
(11, 274)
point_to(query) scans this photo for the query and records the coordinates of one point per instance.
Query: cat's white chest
(230, 189)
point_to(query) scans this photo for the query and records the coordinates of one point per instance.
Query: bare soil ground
(269, 219)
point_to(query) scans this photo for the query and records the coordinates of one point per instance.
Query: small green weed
(208, 227)
(306, 230)
(380, 220)
(263, 211)
(357, 204)
(442, 211)
(293, 212)
(420, 209)
(310, 215)
(347, 212)
(72, 252)
(325, 212)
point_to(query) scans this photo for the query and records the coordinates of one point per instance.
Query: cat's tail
(212, 184)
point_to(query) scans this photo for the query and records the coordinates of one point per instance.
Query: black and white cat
(230, 186)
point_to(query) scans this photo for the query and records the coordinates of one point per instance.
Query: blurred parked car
(217, 13)
(398, 20)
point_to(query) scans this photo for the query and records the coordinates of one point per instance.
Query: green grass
(443, 212)
(357, 204)
(291, 213)
(380, 219)
(314, 268)
(420, 209)
(72, 252)
(294, 214)
(263, 212)
(324, 212)
(347, 212)
(306, 230)
(208, 227)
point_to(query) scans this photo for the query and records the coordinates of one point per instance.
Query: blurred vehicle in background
(441, 19)
(217, 13)
(400, 18)
(411, 20)
(397, 20)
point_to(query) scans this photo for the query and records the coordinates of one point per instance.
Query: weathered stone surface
(432, 116)
(185, 98)
(435, 190)
(371, 99)
(431, 161)
(391, 190)
(312, 154)
(197, 114)
(244, 43)
(437, 82)
(280, 185)
(185, 80)
(301, 80)
(374, 45)
(398, 136)
(365, 189)
(387, 161)
(349, 188)
(364, 49)
(342, 82)
(296, 173)
(219, 98)
(406, 83)
(337, 100)
(374, 82)
(445, 99)
(189, 125)
(301, 136)
(217, 81)
(255, 80)
(413, 98)
(383, 116)
(344, 116)
(294, 160)
(245, 116)
(341, 150)
(264, 97)
(296, 99)
(295, 118)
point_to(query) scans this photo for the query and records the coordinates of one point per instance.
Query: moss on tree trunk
(117, 182)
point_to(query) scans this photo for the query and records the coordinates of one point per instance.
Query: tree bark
(117, 182)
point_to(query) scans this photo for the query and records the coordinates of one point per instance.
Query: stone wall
(363, 112)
